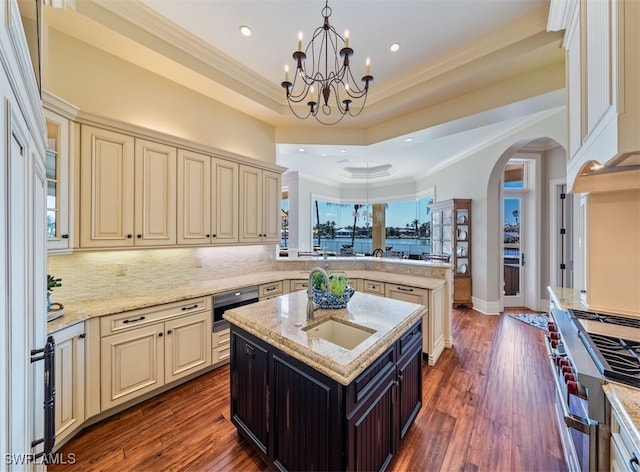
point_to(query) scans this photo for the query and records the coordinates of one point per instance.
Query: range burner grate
(606, 318)
(618, 358)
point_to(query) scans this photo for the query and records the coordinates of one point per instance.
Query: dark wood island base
(298, 418)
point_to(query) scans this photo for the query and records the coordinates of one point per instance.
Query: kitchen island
(335, 393)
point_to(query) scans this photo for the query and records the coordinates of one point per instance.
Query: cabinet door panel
(194, 198)
(107, 180)
(226, 201)
(409, 387)
(132, 364)
(69, 373)
(155, 187)
(188, 345)
(272, 194)
(370, 431)
(249, 412)
(301, 400)
(251, 205)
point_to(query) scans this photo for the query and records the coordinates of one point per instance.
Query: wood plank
(488, 406)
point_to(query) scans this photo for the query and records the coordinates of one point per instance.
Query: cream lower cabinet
(127, 191)
(433, 323)
(260, 196)
(221, 347)
(69, 381)
(208, 199)
(152, 348)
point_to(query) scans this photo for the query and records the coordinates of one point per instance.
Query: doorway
(513, 258)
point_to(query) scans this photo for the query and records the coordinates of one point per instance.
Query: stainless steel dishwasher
(232, 299)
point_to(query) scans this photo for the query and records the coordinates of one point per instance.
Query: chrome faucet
(311, 307)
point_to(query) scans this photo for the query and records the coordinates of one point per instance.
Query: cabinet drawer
(410, 338)
(375, 288)
(271, 290)
(132, 319)
(296, 285)
(407, 294)
(369, 380)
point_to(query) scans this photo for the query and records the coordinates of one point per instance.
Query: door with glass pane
(513, 256)
(57, 169)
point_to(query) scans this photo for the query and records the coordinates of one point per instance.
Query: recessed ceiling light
(343, 150)
(408, 140)
(300, 149)
(394, 47)
(245, 30)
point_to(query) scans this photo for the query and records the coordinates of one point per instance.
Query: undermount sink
(343, 334)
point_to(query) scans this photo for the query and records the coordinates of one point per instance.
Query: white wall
(477, 177)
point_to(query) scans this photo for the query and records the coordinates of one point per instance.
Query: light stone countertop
(567, 298)
(99, 306)
(279, 322)
(626, 402)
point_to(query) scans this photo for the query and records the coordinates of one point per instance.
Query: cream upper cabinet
(128, 191)
(57, 164)
(603, 72)
(155, 194)
(260, 194)
(194, 198)
(225, 204)
(207, 199)
(106, 190)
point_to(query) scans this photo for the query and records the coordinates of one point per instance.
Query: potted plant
(338, 293)
(52, 282)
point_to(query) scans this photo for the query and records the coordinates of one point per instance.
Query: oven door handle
(584, 425)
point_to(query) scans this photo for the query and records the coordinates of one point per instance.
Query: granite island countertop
(100, 306)
(280, 321)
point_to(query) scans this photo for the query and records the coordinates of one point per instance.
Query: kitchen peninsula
(304, 401)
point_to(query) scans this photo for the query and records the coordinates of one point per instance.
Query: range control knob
(568, 377)
(551, 327)
(555, 336)
(572, 387)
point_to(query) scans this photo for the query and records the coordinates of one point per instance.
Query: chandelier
(323, 78)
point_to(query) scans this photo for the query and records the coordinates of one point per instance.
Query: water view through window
(346, 228)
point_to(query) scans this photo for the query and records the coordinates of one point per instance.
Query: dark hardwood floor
(488, 406)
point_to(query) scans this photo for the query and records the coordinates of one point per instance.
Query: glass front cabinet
(451, 242)
(57, 169)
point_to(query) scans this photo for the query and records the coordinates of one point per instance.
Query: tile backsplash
(95, 275)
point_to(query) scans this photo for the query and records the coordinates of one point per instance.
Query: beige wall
(101, 84)
(613, 252)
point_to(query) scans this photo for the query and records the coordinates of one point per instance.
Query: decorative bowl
(328, 301)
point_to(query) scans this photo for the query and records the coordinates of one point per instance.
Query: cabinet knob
(65, 236)
(139, 236)
(208, 236)
(159, 335)
(82, 336)
(169, 332)
(215, 235)
(129, 236)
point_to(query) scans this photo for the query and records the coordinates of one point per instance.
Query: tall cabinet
(451, 237)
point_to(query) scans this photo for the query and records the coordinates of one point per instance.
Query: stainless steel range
(586, 350)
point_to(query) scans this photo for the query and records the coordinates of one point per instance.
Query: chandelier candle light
(329, 93)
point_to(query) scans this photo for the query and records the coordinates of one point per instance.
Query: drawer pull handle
(405, 289)
(250, 351)
(185, 308)
(634, 463)
(270, 289)
(133, 320)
